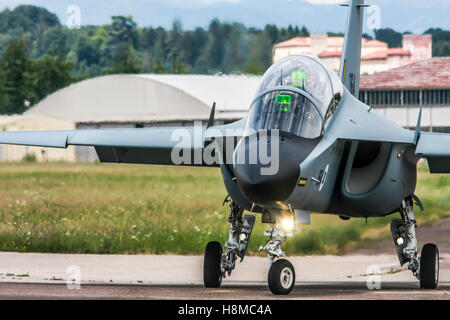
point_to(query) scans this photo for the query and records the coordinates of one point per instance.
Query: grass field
(99, 208)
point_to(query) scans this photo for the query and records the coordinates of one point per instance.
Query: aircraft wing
(435, 147)
(141, 145)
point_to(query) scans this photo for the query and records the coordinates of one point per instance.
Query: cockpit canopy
(297, 95)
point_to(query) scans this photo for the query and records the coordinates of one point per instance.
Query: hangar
(148, 99)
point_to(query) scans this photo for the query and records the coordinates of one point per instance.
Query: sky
(318, 16)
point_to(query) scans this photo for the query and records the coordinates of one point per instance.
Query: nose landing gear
(219, 263)
(281, 277)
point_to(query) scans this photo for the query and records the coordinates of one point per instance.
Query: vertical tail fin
(351, 53)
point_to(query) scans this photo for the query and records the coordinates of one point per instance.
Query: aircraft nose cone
(263, 190)
(253, 179)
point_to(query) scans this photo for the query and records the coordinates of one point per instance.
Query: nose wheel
(281, 278)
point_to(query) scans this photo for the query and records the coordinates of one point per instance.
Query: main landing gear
(425, 268)
(219, 264)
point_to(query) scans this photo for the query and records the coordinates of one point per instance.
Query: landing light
(242, 237)
(287, 224)
(399, 241)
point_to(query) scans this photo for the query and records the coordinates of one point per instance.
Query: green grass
(99, 208)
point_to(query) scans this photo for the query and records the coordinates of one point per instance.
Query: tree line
(38, 55)
(440, 46)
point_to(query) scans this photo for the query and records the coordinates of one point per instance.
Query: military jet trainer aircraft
(329, 153)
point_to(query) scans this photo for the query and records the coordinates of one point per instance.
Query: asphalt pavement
(64, 276)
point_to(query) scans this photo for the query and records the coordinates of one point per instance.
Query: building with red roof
(427, 74)
(399, 93)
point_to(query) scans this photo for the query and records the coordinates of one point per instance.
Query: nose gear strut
(274, 246)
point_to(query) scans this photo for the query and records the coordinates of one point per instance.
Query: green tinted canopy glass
(283, 102)
(283, 99)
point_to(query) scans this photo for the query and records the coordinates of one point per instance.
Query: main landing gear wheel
(281, 277)
(429, 267)
(212, 273)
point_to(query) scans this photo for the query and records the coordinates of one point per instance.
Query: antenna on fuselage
(211, 116)
(349, 70)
